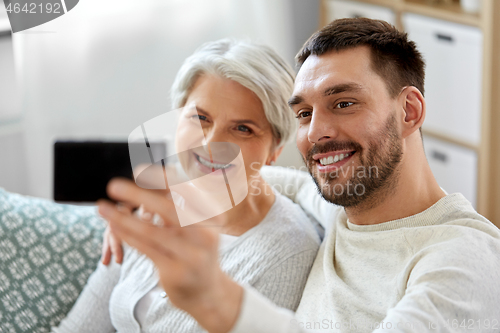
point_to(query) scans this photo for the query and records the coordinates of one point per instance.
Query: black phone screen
(82, 169)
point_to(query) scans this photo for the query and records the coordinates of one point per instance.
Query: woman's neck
(251, 211)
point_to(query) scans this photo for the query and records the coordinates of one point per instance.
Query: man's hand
(112, 245)
(186, 258)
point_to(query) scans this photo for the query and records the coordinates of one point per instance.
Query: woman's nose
(213, 135)
(219, 146)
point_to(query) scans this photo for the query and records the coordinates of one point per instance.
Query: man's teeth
(210, 165)
(334, 159)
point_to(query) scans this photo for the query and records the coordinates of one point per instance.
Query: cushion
(47, 252)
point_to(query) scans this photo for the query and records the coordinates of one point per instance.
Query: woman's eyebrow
(246, 121)
(200, 110)
(236, 121)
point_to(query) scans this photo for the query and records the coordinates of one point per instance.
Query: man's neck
(411, 193)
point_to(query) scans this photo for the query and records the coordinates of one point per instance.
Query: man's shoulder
(465, 241)
(457, 233)
(451, 218)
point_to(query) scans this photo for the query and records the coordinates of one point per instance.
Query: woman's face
(219, 116)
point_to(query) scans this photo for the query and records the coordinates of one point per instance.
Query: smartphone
(82, 169)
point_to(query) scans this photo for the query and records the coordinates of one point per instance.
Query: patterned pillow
(47, 252)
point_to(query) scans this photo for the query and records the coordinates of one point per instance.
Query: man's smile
(333, 157)
(332, 160)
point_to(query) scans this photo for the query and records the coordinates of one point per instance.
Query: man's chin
(341, 192)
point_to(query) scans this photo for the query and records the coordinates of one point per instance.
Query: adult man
(401, 256)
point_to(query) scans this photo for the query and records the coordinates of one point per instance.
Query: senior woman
(238, 93)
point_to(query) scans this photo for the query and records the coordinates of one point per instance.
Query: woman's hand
(111, 246)
(186, 257)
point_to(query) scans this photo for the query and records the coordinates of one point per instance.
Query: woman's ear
(413, 106)
(274, 155)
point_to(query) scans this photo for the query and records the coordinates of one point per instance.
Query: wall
(104, 68)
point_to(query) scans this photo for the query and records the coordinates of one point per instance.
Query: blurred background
(106, 67)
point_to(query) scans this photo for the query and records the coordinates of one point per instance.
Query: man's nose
(322, 126)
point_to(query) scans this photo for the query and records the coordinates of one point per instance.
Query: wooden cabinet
(466, 48)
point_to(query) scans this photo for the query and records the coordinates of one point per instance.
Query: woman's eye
(343, 105)
(200, 117)
(243, 128)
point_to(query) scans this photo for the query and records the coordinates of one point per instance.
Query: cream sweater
(436, 271)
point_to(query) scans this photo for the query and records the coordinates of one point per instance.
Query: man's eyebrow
(337, 89)
(340, 88)
(294, 100)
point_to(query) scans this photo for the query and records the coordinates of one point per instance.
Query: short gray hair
(256, 67)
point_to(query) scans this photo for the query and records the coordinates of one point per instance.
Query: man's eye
(303, 114)
(243, 128)
(343, 105)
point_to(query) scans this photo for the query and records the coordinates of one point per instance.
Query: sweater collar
(431, 216)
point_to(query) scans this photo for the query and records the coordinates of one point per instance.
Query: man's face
(348, 130)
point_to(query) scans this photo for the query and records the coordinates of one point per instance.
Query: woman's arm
(299, 187)
(288, 182)
(91, 310)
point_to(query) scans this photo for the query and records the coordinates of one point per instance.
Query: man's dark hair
(394, 57)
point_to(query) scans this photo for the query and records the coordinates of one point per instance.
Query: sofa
(47, 253)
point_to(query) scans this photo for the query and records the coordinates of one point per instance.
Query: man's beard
(376, 173)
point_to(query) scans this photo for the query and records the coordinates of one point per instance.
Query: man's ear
(413, 106)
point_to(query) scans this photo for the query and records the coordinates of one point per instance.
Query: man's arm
(188, 264)
(452, 287)
(259, 315)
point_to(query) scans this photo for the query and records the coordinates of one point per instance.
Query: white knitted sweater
(274, 258)
(436, 271)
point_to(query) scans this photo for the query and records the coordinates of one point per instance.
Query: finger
(125, 207)
(147, 238)
(145, 215)
(106, 253)
(116, 248)
(146, 246)
(153, 201)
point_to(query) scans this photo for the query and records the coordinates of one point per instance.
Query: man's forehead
(350, 66)
(346, 59)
